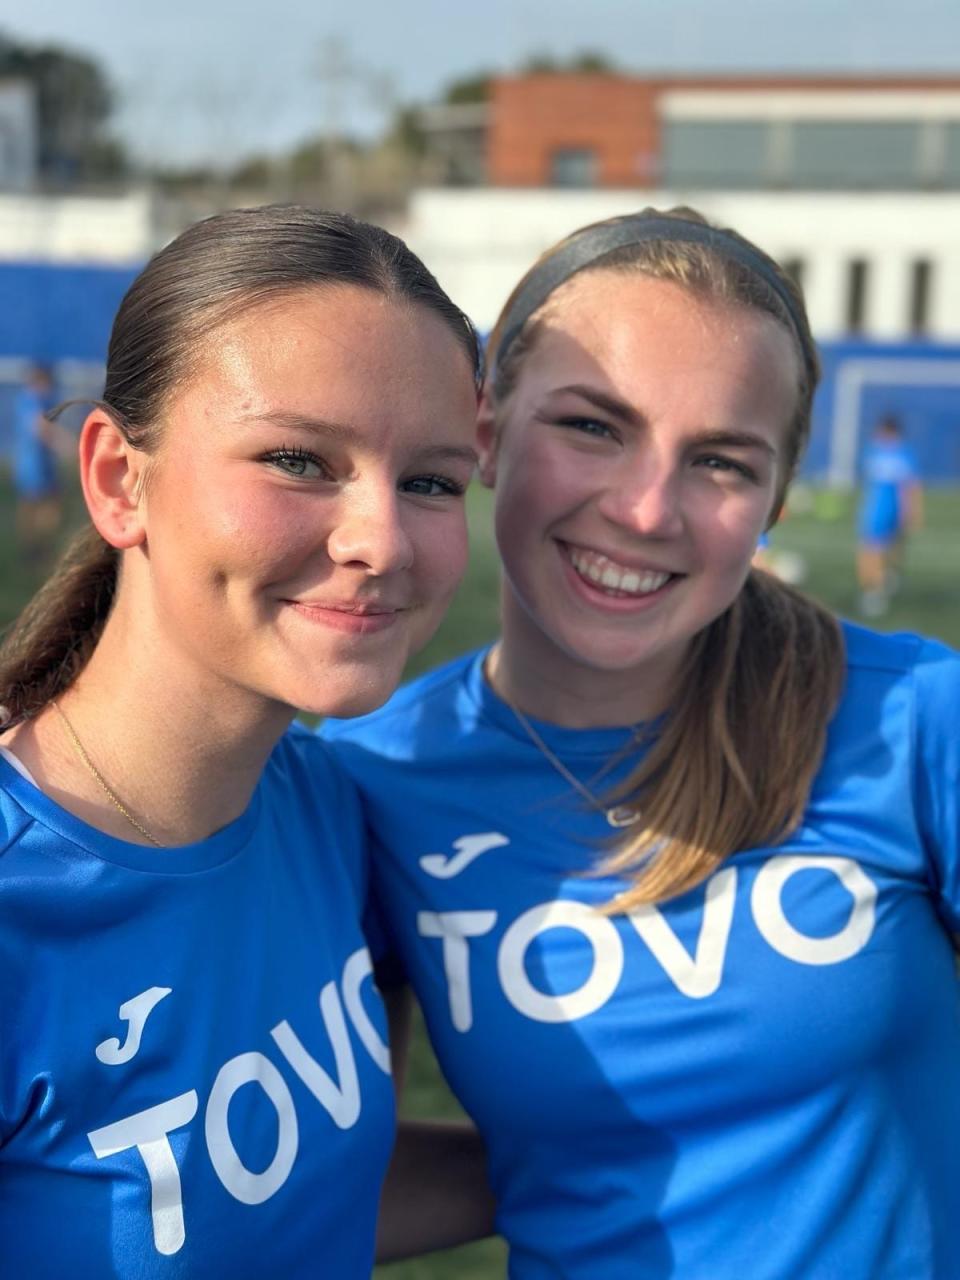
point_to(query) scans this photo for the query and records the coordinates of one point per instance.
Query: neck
(182, 753)
(527, 669)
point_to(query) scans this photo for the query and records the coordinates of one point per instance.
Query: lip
(598, 599)
(351, 617)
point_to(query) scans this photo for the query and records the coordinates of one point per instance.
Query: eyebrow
(736, 440)
(610, 404)
(620, 409)
(342, 432)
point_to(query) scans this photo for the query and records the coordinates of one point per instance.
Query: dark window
(795, 269)
(573, 167)
(920, 281)
(722, 153)
(858, 274)
(868, 154)
(951, 158)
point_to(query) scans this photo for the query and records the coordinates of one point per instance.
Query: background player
(38, 445)
(891, 508)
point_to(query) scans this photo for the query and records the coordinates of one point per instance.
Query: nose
(369, 533)
(646, 498)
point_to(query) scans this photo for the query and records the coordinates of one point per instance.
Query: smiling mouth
(358, 618)
(612, 578)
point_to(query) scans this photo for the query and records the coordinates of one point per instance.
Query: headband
(587, 247)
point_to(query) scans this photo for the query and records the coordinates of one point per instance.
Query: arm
(436, 1194)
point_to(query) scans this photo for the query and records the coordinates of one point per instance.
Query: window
(836, 153)
(951, 156)
(920, 281)
(795, 269)
(858, 273)
(726, 153)
(573, 167)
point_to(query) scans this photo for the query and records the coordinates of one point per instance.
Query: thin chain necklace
(617, 815)
(104, 785)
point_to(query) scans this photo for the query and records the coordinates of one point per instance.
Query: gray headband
(588, 247)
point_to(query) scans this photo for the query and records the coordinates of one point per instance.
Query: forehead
(646, 337)
(345, 350)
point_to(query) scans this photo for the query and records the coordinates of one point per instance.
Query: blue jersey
(193, 1076)
(34, 462)
(889, 471)
(758, 1078)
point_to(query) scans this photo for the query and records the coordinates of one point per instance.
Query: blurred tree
(588, 62)
(74, 103)
(472, 88)
(476, 87)
(407, 132)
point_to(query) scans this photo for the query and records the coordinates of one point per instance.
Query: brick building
(734, 133)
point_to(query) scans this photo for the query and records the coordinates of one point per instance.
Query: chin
(347, 703)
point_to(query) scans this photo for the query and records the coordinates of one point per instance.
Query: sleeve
(937, 766)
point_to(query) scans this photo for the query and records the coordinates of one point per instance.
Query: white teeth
(614, 577)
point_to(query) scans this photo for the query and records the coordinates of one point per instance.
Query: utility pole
(337, 75)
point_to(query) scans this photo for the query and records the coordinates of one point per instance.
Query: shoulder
(902, 654)
(897, 684)
(317, 800)
(418, 709)
(874, 651)
(306, 778)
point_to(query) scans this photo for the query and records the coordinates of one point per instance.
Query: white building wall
(77, 229)
(479, 243)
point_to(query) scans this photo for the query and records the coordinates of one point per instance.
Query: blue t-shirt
(889, 470)
(193, 1075)
(758, 1078)
(34, 462)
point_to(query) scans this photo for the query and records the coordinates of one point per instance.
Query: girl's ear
(111, 472)
(487, 440)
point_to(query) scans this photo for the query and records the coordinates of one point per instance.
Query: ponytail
(51, 642)
(736, 758)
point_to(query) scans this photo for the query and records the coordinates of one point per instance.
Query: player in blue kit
(36, 478)
(891, 507)
(194, 1079)
(674, 866)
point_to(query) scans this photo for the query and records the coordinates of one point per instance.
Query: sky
(211, 81)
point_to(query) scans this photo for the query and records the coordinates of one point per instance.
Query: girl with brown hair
(674, 865)
(194, 1079)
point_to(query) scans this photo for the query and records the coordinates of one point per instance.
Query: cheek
(728, 523)
(234, 528)
(442, 550)
(265, 521)
(535, 483)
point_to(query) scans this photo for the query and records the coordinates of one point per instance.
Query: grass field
(822, 535)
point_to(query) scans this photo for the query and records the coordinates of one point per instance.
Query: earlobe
(487, 441)
(111, 472)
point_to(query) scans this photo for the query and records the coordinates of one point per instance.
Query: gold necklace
(104, 785)
(617, 815)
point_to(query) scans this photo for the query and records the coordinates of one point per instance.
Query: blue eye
(432, 487)
(716, 462)
(299, 463)
(589, 427)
